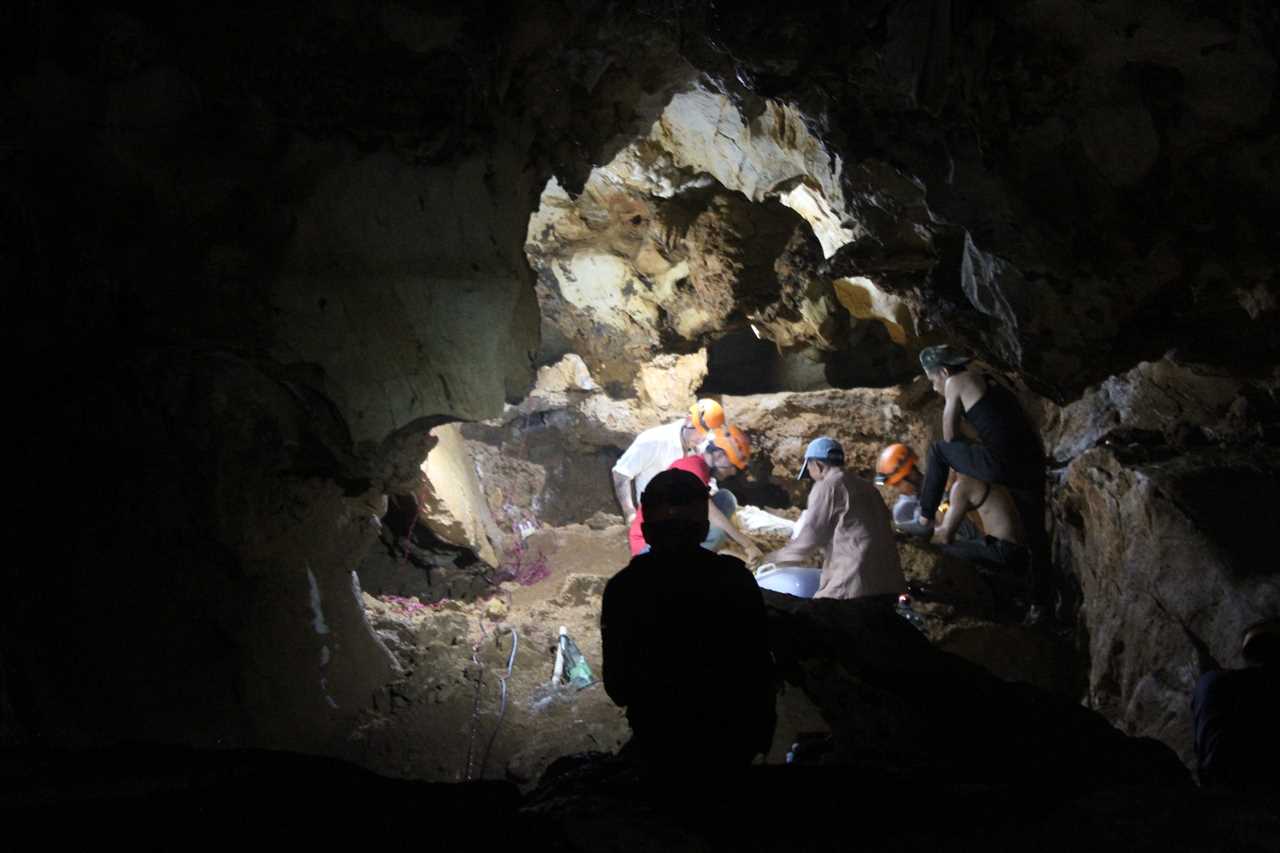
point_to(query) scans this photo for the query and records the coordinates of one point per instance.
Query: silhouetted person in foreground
(1236, 715)
(686, 647)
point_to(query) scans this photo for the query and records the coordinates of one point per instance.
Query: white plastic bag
(753, 520)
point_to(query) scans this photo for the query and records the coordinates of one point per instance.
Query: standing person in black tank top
(1010, 453)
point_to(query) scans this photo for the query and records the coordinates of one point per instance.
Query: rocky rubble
(450, 648)
(442, 718)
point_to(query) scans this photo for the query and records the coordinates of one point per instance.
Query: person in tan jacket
(849, 522)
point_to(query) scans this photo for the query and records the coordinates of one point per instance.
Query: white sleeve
(795, 528)
(638, 456)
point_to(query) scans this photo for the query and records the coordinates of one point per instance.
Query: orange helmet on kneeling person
(706, 415)
(894, 464)
(734, 443)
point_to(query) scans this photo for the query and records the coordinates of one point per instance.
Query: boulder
(452, 501)
(668, 384)
(896, 703)
(1167, 403)
(1165, 552)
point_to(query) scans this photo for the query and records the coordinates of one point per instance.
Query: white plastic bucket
(802, 582)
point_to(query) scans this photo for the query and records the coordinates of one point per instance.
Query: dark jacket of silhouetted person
(1236, 716)
(686, 640)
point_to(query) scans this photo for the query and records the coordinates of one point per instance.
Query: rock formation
(1170, 479)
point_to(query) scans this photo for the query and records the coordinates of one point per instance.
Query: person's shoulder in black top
(686, 637)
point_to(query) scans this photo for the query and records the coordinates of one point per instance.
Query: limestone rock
(452, 500)
(421, 567)
(669, 383)
(1167, 403)
(708, 221)
(514, 487)
(1164, 552)
(568, 374)
(258, 349)
(549, 466)
(773, 154)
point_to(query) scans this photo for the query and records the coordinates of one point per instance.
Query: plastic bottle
(906, 612)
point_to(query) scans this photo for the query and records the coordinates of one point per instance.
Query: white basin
(800, 581)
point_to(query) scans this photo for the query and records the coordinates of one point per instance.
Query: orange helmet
(706, 415)
(895, 463)
(734, 443)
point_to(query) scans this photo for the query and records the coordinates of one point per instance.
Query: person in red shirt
(720, 523)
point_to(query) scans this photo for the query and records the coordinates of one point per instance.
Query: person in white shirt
(656, 448)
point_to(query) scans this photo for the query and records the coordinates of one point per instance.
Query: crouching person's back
(685, 642)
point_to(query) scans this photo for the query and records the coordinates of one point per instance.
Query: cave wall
(258, 257)
(1161, 504)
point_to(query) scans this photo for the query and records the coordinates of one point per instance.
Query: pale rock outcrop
(773, 154)
(668, 384)
(568, 374)
(686, 233)
(547, 460)
(452, 500)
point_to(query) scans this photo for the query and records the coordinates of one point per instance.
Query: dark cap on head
(672, 487)
(943, 355)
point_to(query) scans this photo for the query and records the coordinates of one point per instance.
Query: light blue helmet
(822, 449)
